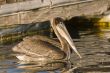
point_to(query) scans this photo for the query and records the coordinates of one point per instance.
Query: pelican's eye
(57, 21)
(61, 22)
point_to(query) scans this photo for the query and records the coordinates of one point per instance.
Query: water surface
(94, 48)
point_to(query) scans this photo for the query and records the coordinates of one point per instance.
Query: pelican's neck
(64, 44)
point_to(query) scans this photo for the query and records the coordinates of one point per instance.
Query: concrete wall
(10, 1)
(96, 7)
(2, 2)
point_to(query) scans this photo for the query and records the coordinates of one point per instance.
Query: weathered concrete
(96, 7)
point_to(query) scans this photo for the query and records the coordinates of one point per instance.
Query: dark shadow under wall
(72, 28)
(77, 24)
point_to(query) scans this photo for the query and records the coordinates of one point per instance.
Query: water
(94, 48)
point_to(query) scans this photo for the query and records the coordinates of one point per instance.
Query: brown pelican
(43, 49)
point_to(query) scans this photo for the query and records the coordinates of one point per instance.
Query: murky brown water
(94, 49)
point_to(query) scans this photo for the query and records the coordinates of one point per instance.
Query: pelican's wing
(38, 47)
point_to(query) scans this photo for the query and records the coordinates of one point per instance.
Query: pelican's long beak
(64, 33)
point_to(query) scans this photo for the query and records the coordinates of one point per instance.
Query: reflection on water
(93, 46)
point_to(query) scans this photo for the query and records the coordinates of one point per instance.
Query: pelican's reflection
(55, 67)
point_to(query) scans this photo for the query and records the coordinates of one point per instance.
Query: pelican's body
(40, 48)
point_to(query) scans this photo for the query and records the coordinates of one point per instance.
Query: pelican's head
(61, 32)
